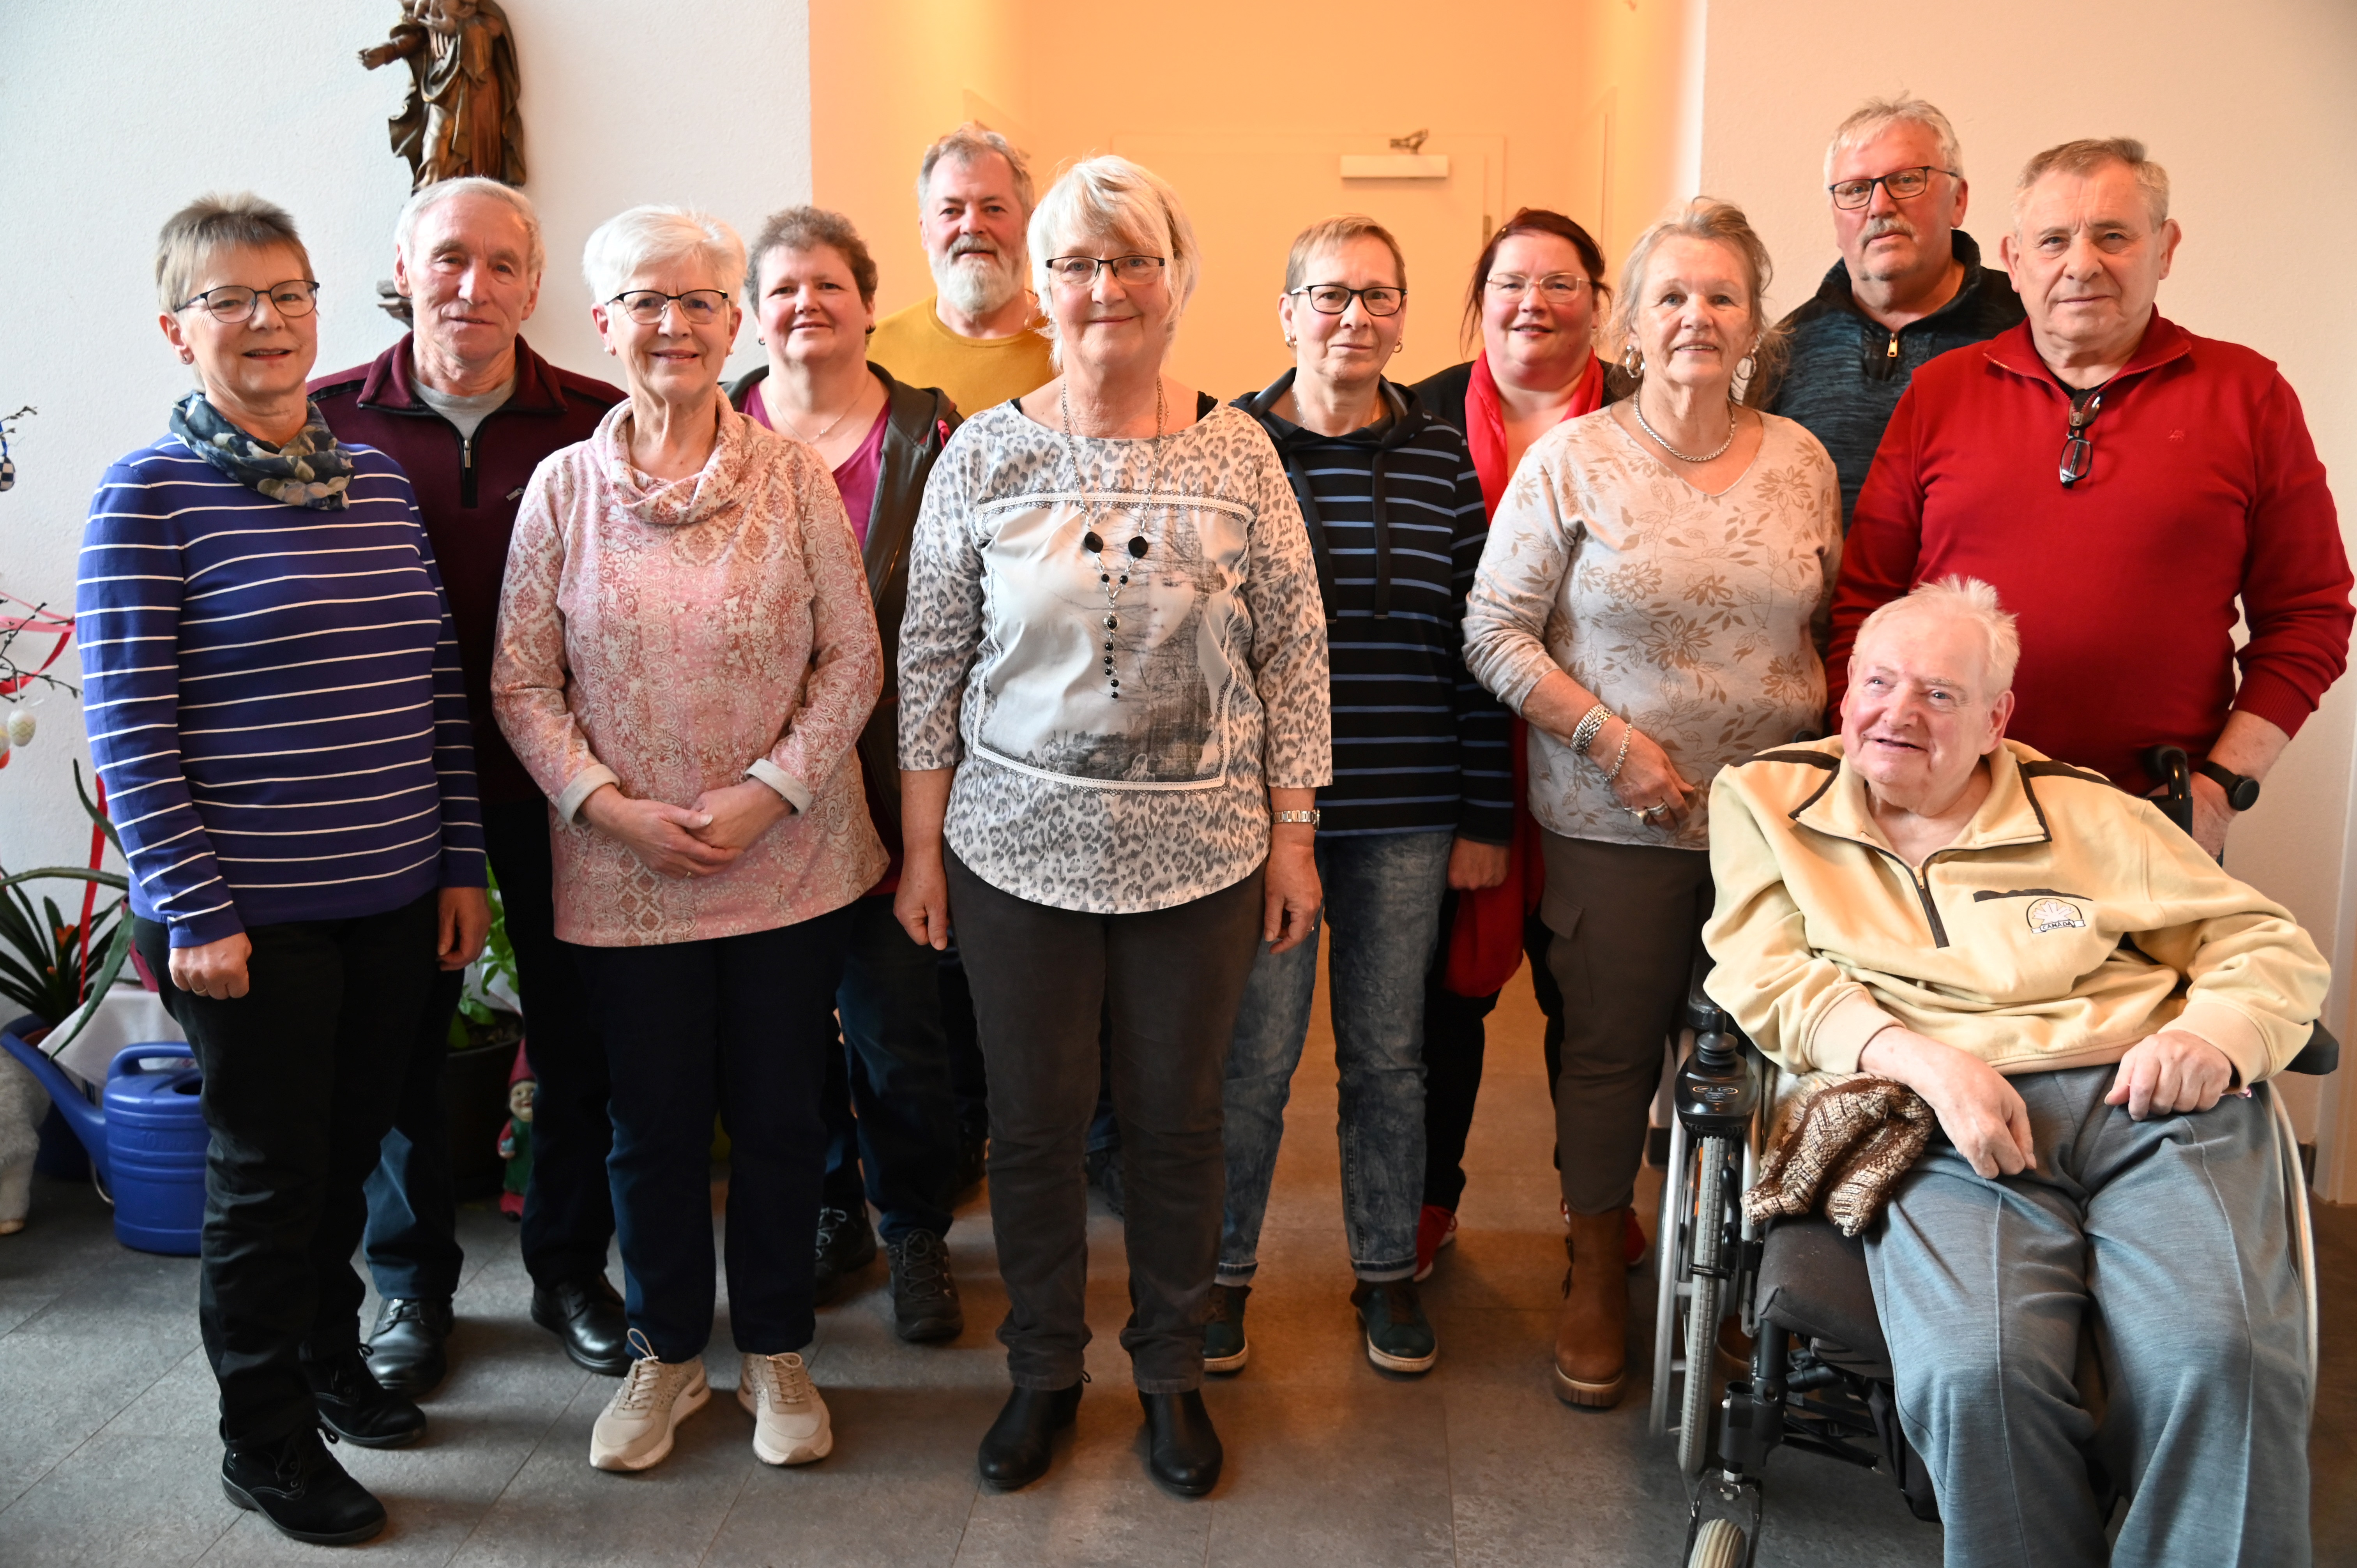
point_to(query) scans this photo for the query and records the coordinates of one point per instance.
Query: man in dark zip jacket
(1910, 285)
(468, 411)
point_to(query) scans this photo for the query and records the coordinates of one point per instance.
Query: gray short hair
(1876, 115)
(404, 227)
(803, 229)
(2091, 156)
(976, 140)
(240, 220)
(629, 241)
(1111, 197)
(1966, 598)
(1720, 222)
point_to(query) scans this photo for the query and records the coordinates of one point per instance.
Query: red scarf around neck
(1485, 423)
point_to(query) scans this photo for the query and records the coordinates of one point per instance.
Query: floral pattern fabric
(1698, 617)
(310, 470)
(675, 636)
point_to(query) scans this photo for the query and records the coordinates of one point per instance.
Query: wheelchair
(1819, 1378)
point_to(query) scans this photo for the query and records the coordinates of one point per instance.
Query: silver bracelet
(1626, 731)
(1310, 817)
(1591, 725)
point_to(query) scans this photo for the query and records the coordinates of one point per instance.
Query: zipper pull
(1892, 352)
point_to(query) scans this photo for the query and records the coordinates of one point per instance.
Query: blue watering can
(148, 1138)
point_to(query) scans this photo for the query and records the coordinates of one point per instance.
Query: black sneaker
(357, 1408)
(846, 1244)
(924, 1293)
(1224, 1347)
(296, 1485)
(404, 1348)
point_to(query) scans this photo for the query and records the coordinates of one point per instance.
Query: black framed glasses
(2077, 447)
(1904, 185)
(1081, 272)
(698, 307)
(1555, 288)
(1333, 298)
(234, 302)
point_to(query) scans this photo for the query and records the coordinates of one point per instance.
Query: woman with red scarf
(1534, 301)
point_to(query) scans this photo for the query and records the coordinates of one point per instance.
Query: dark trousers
(300, 1076)
(741, 1026)
(568, 1210)
(969, 1080)
(891, 1124)
(1042, 979)
(1628, 925)
(1455, 1040)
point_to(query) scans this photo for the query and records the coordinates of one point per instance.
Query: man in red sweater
(2127, 486)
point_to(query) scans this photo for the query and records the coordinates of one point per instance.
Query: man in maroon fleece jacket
(468, 411)
(2127, 486)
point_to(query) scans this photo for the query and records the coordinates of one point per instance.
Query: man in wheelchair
(2084, 998)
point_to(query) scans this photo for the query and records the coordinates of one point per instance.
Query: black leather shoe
(1014, 1449)
(1184, 1452)
(587, 1317)
(404, 1348)
(357, 1408)
(924, 1293)
(846, 1244)
(296, 1485)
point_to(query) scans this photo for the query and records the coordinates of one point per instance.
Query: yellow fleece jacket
(2067, 922)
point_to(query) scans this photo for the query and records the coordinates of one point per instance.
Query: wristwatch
(2242, 789)
(1313, 816)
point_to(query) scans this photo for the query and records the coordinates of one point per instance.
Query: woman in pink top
(687, 656)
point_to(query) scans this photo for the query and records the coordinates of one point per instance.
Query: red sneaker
(1435, 1228)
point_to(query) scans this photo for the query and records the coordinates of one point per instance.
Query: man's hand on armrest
(1982, 1114)
(2169, 1072)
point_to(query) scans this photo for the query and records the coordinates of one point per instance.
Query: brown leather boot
(1591, 1339)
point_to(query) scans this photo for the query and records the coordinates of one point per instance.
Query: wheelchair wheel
(1702, 1309)
(1718, 1544)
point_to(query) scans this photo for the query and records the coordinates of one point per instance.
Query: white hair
(970, 140)
(1964, 599)
(628, 242)
(1109, 197)
(404, 227)
(1876, 115)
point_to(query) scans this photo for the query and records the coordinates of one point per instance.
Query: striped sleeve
(1484, 728)
(127, 612)
(463, 860)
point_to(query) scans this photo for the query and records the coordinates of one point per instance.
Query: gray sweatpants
(2173, 1232)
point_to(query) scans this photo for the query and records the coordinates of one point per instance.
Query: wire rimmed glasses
(1333, 298)
(697, 307)
(234, 303)
(1081, 272)
(1555, 288)
(1903, 184)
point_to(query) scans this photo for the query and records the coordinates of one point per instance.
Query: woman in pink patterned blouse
(687, 656)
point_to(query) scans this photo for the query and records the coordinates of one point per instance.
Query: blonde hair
(629, 241)
(1110, 197)
(213, 222)
(1876, 115)
(1966, 598)
(1719, 222)
(1332, 233)
(2092, 155)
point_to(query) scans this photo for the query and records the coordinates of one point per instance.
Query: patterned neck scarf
(311, 470)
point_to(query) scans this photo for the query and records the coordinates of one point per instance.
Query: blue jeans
(895, 1074)
(1382, 903)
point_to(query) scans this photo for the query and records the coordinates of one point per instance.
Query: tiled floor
(110, 1456)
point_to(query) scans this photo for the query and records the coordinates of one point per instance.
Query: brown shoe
(1591, 1339)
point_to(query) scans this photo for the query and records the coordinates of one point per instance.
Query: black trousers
(1455, 1040)
(741, 1026)
(1041, 978)
(568, 1208)
(300, 1076)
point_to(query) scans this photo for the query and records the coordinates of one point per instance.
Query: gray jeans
(2172, 1231)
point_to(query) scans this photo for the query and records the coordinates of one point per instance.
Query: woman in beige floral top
(687, 656)
(1653, 600)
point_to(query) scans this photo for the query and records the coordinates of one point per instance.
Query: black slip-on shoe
(1182, 1450)
(405, 1347)
(296, 1485)
(586, 1315)
(357, 1409)
(1015, 1450)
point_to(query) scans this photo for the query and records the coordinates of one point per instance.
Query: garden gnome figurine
(515, 1139)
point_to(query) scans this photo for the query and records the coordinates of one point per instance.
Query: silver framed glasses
(1555, 288)
(697, 307)
(2078, 444)
(1333, 299)
(234, 302)
(1081, 272)
(1904, 185)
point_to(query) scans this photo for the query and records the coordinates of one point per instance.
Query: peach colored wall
(1250, 110)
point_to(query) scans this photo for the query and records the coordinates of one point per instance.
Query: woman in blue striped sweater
(273, 700)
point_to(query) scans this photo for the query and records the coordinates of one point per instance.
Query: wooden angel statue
(461, 116)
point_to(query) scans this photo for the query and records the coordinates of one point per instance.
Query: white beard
(976, 289)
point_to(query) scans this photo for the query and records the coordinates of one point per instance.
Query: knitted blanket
(1844, 1143)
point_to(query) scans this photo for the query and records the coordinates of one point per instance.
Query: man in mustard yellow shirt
(974, 339)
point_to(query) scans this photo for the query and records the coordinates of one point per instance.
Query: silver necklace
(814, 440)
(1639, 402)
(1113, 576)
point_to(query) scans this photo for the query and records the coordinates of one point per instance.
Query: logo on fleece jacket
(2053, 915)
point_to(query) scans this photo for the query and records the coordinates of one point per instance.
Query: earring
(187, 357)
(1746, 367)
(1291, 344)
(1398, 346)
(1633, 361)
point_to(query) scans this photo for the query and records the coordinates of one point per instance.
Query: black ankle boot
(1014, 1449)
(296, 1485)
(1184, 1452)
(357, 1408)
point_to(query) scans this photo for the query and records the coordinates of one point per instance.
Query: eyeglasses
(700, 306)
(234, 302)
(1333, 298)
(1904, 185)
(1555, 288)
(2078, 450)
(1081, 272)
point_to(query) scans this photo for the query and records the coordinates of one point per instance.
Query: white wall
(114, 113)
(2250, 108)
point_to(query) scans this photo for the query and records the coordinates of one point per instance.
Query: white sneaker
(635, 1431)
(790, 1421)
